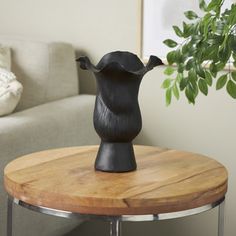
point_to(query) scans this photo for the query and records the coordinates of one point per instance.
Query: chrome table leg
(221, 219)
(9, 216)
(115, 228)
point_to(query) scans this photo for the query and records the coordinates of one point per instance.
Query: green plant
(208, 45)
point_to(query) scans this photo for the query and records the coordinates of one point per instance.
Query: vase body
(117, 120)
(117, 117)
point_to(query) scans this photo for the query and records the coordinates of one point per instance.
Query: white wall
(97, 27)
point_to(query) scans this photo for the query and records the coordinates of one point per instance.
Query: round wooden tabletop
(165, 181)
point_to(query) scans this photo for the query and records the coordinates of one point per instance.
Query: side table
(167, 184)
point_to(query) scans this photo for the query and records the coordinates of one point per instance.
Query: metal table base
(115, 221)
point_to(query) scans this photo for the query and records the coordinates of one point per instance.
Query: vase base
(115, 157)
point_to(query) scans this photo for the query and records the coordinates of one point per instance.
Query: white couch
(51, 114)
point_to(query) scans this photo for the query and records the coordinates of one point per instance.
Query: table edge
(130, 218)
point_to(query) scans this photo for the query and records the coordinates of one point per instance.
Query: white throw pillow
(10, 88)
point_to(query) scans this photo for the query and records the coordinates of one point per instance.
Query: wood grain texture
(166, 181)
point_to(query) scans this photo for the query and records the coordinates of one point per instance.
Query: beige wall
(94, 27)
(209, 128)
(97, 27)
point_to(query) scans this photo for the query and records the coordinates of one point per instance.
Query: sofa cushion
(5, 57)
(47, 71)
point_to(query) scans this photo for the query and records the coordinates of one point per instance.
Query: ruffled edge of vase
(86, 64)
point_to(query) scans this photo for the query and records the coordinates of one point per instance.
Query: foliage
(208, 44)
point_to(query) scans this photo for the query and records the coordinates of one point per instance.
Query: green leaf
(192, 49)
(213, 25)
(195, 89)
(202, 5)
(180, 68)
(178, 31)
(168, 96)
(200, 70)
(232, 16)
(206, 18)
(191, 15)
(215, 40)
(192, 75)
(233, 75)
(203, 86)
(214, 5)
(225, 53)
(211, 53)
(190, 94)
(170, 43)
(196, 39)
(189, 48)
(179, 77)
(171, 57)
(219, 27)
(213, 69)
(221, 81)
(220, 66)
(169, 70)
(185, 48)
(183, 83)
(190, 64)
(233, 42)
(209, 39)
(206, 24)
(166, 83)
(178, 56)
(188, 29)
(208, 78)
(231, 89)
(176, 91)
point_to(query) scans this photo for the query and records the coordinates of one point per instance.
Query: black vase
(117, 118)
